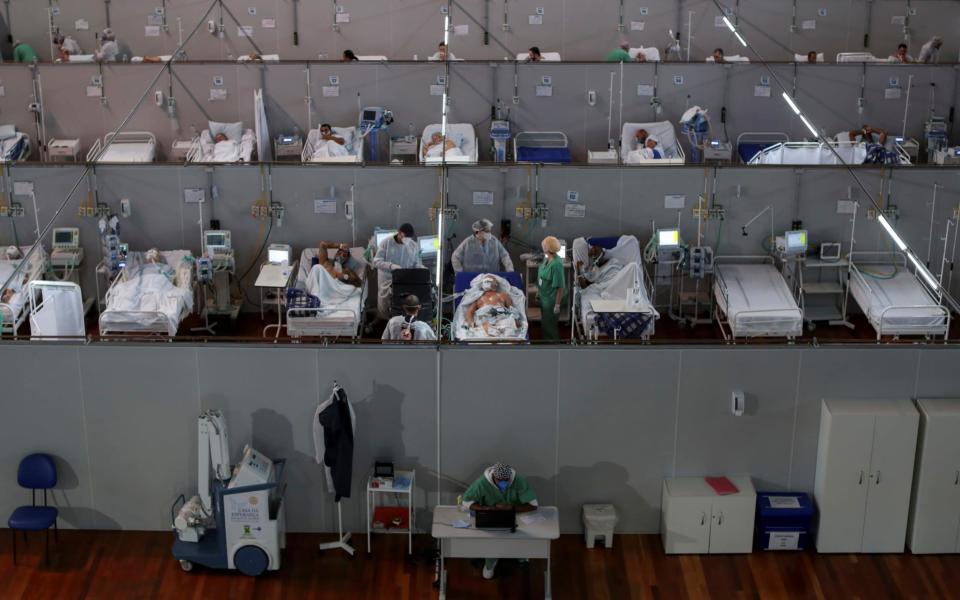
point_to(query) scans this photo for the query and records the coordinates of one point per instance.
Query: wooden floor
(114, 566)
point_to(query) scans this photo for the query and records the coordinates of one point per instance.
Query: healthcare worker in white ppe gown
(481, 252)
(399, 251)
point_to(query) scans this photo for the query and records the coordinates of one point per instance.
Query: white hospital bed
(652, 54)
(14, 312)
(733, 58)
(464, 332)
(352, 143)
(372, 58)
(667, 144)
(262, 58)
(753, 299)
(819, 153)
(544, 57)
(802, 58)
(125, 147)
(626, 250)
(56, 311)
(859, 57)
(203, 149)
(893, 298)
(462, 134)
(14, 145)
(329, 320)
(138, 300)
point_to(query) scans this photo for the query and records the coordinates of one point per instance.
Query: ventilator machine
(372, 120)
(236, 520)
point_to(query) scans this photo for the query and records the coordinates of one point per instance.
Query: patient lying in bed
(151, 288)
(609, 274)
(490, 309)
(330, 289)
(329, 145)
(437, 146)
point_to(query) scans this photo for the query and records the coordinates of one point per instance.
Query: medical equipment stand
(407, 490)
(276, 277)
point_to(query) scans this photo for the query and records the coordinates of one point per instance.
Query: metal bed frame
(578, 330)
(159, 327)
(306, 322)
(34, 274)
(125, 137)
(723, 319)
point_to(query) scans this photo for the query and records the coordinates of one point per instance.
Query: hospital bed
(751, 143)
(262, 58)
(859, 57)
(125, 147)
(733, 58)
(541, 147)
(306, 318)
(14, 312)
(639, 322)
(56, 311)
(667, 144)
(652, 54)
(203, 148)
(139, 59)
(372, 58)
(462, 283)
(82, 58)
(142, 298)
(802, 58)
(895, 299)
(352, 143)
(544, 57)
(463, 136)
(819, 153)
(752, 299)
(14, 145)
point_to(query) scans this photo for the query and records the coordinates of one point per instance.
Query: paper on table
(461, 524)
(531, 518)
(784, 501)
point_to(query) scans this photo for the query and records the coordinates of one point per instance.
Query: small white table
(529, 541)
(405, 492)
(617, 306)
(276, 276)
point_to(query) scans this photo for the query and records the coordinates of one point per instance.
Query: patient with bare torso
(492, 306)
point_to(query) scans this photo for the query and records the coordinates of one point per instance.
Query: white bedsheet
(129, 152)
(150, 296)
(810, 153)
(876, 297)
(758, 301)
(340, 301)
(229, 151)
(614, 282)
(517, 330)
(11, 310)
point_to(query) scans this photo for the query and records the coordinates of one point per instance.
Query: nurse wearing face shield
(481, 252)
(399, 251)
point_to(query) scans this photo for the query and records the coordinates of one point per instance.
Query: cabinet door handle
(703, 518)
(878, 477)
(861, 477)
(720, 519)
(956, 480)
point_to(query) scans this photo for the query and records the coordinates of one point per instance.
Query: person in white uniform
(399, 251)
(109, 50)
(481, 252)
(407, 327)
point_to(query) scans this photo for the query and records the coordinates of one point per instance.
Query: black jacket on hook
(338, 442)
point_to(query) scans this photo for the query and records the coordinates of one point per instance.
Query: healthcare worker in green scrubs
(23, 53)
(499, 488)
(550, 284)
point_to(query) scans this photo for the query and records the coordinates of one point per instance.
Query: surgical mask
(503, 485)
(487, 285)
(338, 259)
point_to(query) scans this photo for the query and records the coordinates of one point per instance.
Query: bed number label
(678, 80)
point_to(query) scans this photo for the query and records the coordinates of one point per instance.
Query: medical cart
(401, 486)
(288, 147)
(404, 148)
(64, 148)
(827, 280)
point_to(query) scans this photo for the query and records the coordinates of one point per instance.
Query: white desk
(617, 306)
(529, 541)
(277, 277)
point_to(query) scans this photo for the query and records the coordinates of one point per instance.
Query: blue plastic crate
(780, 526)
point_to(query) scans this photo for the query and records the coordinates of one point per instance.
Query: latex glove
(556, 309)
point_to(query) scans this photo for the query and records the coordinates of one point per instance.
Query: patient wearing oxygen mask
(493, 311)
(338, 267)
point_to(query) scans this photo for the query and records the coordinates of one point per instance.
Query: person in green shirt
(550, 284)
(23, 53)
(621, 54)
(499, 488)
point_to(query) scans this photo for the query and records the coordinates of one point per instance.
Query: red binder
(721, 485)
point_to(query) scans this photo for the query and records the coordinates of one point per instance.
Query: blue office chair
(36, 472)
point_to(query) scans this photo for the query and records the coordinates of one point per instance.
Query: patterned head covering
(502, 472)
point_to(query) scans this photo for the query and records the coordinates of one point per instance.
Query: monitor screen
(668, 238)
(383, 234)
(563, 251)
(370, 115)
(797, 240)
(429, 245)
(278, 256)
(216, 239)
(63, 237)
(898, 140)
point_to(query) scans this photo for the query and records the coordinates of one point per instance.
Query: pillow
(233, 131)
(456, 137)
(347, 133)
(7, 132)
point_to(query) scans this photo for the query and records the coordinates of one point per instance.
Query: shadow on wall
(380, 418)
(575, 487)
(78, 517)
(272, 434)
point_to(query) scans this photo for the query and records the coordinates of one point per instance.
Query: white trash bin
(599, 521)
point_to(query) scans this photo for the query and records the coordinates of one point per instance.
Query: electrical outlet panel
(101, 210)
(259, 210)
(276, 210)
(4, 210)
(716, 213)
(16, 210)
(524, 212)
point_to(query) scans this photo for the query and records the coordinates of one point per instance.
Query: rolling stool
(599, 521)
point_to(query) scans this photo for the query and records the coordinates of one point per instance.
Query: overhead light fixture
(793, 105)
(813, 130)
(890, 231)
(923, 272)
(733, 30)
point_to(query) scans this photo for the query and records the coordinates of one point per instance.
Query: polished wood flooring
(120, 565)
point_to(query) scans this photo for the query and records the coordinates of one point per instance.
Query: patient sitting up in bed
(339, 266)
(329, 144)
(650, 150)
(437, 146)
(641, 137)
(491, 311)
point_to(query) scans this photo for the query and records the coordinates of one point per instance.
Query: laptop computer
(497, 520)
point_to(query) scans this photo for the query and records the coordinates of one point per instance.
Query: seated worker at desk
(492, 309)
(407, 327)
(399, 251)
(481, 252)
(436, 140)
(499, 488)
(339, 267)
